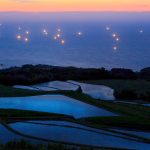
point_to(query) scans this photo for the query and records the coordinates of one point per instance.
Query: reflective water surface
(54, 104)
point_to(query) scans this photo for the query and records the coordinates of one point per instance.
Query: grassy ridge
(6, 91)
(141, 86)
(25, 145)
(131, 116)
(8, 115)
(120, 121)
(127, 89)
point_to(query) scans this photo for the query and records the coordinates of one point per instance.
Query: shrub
(126, 94)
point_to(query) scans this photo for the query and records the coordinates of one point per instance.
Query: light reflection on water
(76, 136)
(54, 104)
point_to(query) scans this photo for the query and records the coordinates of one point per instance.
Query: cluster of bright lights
(57, 36)
(45, 32)
(116, 38)
(23, 36)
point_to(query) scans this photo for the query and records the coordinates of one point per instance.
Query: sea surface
(87, 43)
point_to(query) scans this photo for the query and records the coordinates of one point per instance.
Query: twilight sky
(74, 5)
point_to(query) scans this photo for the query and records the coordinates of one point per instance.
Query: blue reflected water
(54, 104)
(6, 135)
(76, 136)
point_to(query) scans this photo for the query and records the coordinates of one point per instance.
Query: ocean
(80, 43)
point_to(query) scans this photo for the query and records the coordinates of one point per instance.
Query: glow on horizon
(74, 5)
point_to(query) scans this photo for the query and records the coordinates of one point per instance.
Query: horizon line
(117, 11)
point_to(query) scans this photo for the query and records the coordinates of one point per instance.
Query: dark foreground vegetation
(132, 95)
(8, 91)
(30, 74)
(8, 115)
(25, 145)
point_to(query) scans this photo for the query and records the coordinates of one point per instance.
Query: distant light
(62, 42)
(114, 35)
(107, 28)
(0, 24)
(55, 37)
(117, 39)
(79, 33)
(45, 31)
(115, 48)
(27, 32)
(18, 37)
(141, 31)
(58, 35)
(19, 28)
(59, 30)
(26, 39)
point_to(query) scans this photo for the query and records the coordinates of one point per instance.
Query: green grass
(140, 86)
